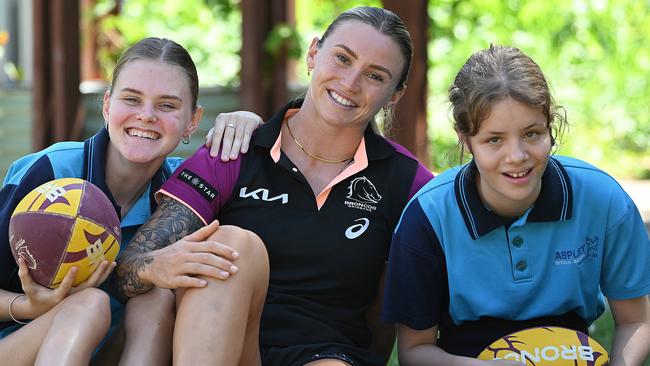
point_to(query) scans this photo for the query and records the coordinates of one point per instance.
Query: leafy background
(596, 56)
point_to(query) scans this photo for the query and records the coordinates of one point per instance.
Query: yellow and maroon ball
(64, 223)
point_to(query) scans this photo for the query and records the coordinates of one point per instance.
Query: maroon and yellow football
(547, 346)
(64, 223)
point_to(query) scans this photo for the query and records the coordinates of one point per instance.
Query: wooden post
(89, 24)
(90, 28)
(263, 78)
(56, 72)
(41, 123)
(410, 127)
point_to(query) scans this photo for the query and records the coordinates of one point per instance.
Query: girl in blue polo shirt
(149, 108)
(516, 238)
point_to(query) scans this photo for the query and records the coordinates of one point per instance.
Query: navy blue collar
(95, 150)
(377, 147)
(555, 201)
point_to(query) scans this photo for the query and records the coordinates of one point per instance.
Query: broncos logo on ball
(94, 250)
(362, 190)
(54, 194)
(24, 253)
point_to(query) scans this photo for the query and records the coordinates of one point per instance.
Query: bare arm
(169, 252)
(37, 300)
(383, 335)
(418, 348)
(632, 331)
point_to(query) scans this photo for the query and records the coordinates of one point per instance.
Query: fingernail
(203, 282)
(225, 274)
(235, 255)
(234, 269)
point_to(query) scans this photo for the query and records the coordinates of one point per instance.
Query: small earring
(385, 112)
(186, 140)
(309, 68)
(106, 125)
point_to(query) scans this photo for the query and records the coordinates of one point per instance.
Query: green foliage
(209, 29)
(313, 16)
(223, 7)
(594, 53)
(284, 37)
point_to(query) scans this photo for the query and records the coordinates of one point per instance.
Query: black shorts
(300, 355)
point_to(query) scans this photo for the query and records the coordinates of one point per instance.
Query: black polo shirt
(326, 252)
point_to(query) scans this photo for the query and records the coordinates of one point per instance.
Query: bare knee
(250, 247)
(253, 268)
(91, 306)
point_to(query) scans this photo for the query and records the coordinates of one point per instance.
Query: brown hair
(387, 23)
(163, 50)
(493, 74)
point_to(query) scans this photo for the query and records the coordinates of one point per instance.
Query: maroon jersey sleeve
(203, 183)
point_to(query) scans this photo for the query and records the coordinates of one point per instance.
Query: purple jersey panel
(203, 183)
(422, 175)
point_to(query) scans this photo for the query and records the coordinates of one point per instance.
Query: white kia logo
(263, 194)
(356, 230)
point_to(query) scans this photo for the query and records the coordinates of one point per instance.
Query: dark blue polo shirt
(85, 160)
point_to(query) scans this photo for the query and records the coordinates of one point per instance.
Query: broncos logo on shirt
(362, 190)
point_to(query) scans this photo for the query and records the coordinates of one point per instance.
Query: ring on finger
(231, 125)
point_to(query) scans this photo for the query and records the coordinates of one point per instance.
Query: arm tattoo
(171, 222)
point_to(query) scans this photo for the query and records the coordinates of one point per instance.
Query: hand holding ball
(64, 223)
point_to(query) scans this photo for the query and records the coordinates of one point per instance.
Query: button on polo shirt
(521, 266)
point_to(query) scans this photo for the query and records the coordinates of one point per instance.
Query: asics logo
(263, 194)
(356, 230)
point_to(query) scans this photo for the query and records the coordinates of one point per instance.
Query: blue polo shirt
(85, 160)
(478, 276)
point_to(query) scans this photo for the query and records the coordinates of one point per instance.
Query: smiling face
(149, 111)
(355, 73)
(511, 150)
